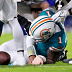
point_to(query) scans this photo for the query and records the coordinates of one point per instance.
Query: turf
(5, 37)
(58, 67)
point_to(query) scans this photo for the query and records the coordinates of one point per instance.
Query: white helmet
(42, 28)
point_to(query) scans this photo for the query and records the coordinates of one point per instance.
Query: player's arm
(39, 60)
(33, 58)
(30, 49)
(62, 13)
(24, 22)
(51, 59)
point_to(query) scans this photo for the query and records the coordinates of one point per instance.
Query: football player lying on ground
(11, 49)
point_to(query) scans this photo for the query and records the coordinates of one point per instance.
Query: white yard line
(54, 66)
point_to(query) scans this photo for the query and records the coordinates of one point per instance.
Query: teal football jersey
(56, 43)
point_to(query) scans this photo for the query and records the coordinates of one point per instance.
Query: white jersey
(10, 48)
(9, 9)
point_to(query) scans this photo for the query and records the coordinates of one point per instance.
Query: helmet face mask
(39, 40)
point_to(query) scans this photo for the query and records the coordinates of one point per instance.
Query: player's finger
(42, 63)
(36, 63)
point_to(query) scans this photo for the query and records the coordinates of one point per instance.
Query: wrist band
(31, 50)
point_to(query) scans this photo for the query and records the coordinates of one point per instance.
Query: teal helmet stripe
(40, 25)
(60, 25)
(38, 21)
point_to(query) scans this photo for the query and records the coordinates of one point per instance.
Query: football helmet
(42, 28)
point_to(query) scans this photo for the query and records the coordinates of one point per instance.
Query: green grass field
(58, 67)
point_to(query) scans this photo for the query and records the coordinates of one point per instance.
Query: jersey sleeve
(30, 46)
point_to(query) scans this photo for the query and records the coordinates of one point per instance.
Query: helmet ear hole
(42, 28)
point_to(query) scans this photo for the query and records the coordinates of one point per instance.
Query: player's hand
(37, 61)
(31, 58)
